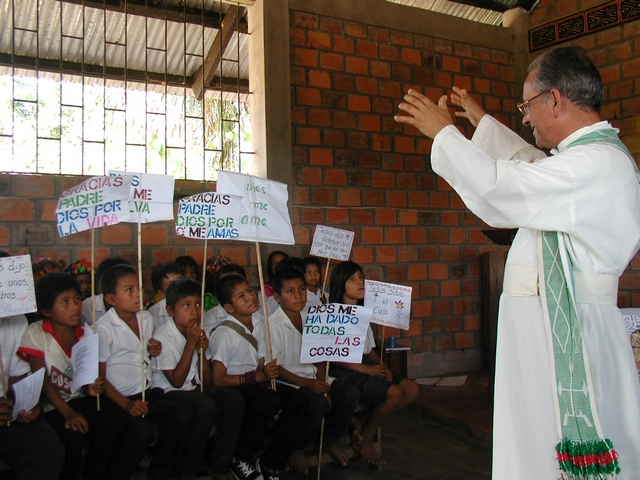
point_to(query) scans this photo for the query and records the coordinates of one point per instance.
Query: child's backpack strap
(240, 331)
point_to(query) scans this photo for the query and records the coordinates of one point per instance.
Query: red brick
(307, 20)
(307, 136)
(235, 254)
(382, 105)
(385, 254)
(406, 181)
(411, 56)
(396, 235)
(506, 73)
(390, 89)
(374, 198)
(343, 45)
(333, 138)
(321, 156)
(318, 78)
(48, 210)
(457, 236)
(369, 123)
(499, 56)
(362, 254)
(311, 215)
(385, 216)
(381, 143)
(17, 210)
(631, 68)
(449, 218)
(365, 48)
(343, 82)
(610, 74)
(332, 61)
(349, 197)
(310, 176)
(367, 85)
(330, 24)
(335, 176)
(319, 40)
(415, 329)
(344, 120)
(421, 309)
(305, 57)
(357, 140)
(372, 235)
(309, 96)
(463, 339)
(357, 65)
(5, 236)
(388, 52)
(418, 199)
(451, 64)
(443, 46)
(463, 50)
(472, 322)
(384, 180)
(299, 115)
(449, 253)
(319, 117)
(444, 342)
(491, 71)
(449, 289)
(438, 271)
(378, 34)
(453, 324)
(118, 235)
(33, 185)
(440, 79)
(362, 217)
(397, 199)
(408, 254)
(298, 36)
(401, 38)
(439, 200)
(356, 29)
(337, 216)
(359, 103)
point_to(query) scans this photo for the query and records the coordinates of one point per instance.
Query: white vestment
(591, 193)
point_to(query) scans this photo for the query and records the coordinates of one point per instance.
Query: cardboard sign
(264, 216)
(334, 332)
(331, 242)
(390, 304)
(209, 215)
(151, 196)
(17, 294)
(94, 203)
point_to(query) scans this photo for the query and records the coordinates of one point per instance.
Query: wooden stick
(204, 277)
(93, 303)
(382, 345)
(141, 322)
(5, 387)
(265, 311)
(326, 274)
(326, 379)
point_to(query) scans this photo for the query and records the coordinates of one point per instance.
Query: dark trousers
(175, 422)
(32, 451)
(105, 437)
(204, 413)
(231, 408)
(337, 414)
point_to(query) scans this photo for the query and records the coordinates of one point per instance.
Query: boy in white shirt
(121, 365)
(238, 349)
(96, 301)
(176, 370)
(161, 278)
(336, 400)
(218, 314)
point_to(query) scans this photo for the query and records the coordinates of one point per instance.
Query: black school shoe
(245, 470)
(267, 473)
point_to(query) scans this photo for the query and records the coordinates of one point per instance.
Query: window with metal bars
(88, 86)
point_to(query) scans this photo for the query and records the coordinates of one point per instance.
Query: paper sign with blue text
(94, 203)
(151, 196)
(209, 215)
(334, 333)
(390, 303)
(331, 242)
(264, 216)
(17, 295)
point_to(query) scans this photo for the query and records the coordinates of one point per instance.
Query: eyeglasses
(524, 106)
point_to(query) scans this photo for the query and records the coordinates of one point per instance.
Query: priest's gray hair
(573, 73)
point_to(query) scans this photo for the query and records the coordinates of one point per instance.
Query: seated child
(336, 401)
(313, 277)
(214, 264)
(29, 446)
(238, 349)
(96, 301)
(73, 414)
(161, 278)
(217, 314)
(188, 265)
(44, 265)
(379, 387)
(81, 271)
(273, 259)
(176, 371)
(123, 367)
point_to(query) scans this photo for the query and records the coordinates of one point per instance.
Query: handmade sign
(390, 304)
(334, 332)
(17, 294)
(94, 203)
(209, 216)
(264, 216)
(151, 196)
(331, 242)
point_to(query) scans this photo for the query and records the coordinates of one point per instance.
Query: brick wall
(27, 225)
(356, 168)
(616, 52)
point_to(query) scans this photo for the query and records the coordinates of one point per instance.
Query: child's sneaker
(267, 473)
(244, 470)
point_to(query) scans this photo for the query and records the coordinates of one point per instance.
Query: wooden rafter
(212, 61)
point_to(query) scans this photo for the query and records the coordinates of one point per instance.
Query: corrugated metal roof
(152, 44)
(475, 14)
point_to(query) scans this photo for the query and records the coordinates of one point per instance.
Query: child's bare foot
(355, 429)
(370, 454)
(339, 455)
(298, 461)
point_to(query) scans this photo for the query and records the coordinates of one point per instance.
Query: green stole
(582, 453)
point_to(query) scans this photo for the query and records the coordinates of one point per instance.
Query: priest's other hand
(472, 110)
(425, 115)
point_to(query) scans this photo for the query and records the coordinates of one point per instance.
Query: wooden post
(265, 310)
(141, 317)
(204, 277)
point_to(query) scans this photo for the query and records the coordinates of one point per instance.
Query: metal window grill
(88, 86)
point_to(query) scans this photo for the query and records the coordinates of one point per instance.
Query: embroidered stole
(583, 452)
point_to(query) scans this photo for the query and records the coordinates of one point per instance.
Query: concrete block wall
(356, 168)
